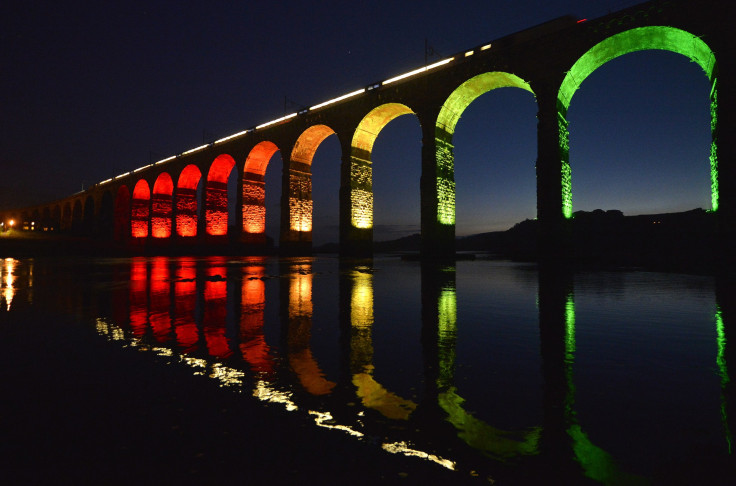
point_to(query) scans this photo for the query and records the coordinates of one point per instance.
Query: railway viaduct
(160, 203)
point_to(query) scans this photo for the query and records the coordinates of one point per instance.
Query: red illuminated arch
(254, 189)
(216, 196)
(161, 206)
(186, 201)
(140, 209)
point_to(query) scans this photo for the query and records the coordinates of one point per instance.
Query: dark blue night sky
(93, 89)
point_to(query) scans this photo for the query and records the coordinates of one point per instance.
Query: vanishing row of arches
(195, 202)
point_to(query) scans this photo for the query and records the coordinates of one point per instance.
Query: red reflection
(299, 334)
(252, 341)
(215, 310)
(185, 292)
(138, 296)
(160, 299)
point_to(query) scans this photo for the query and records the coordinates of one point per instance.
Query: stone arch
(88, 219)
(162, 206)
(140, 209)
(46, 224)
(56, 218)
(121, 225)
(254, 190)
(106, 216)
(300, 177)
(361, 172)
(186, 201)
(449, 115)
(77, 216)
(638, 39)
(216, 195)
(66, 216)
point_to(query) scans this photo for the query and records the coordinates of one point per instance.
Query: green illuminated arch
(639, 39)
(448, 117)
(361, 171)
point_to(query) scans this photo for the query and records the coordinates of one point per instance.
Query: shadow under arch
(254, 191)
(447, 119)
(360, 197)
(638, 39)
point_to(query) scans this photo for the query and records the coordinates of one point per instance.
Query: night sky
(89, 90)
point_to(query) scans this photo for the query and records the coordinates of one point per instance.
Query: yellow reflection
(403, 448)
(8, 281)
(371, 393)
(301, 360)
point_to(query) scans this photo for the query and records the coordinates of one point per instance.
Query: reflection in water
(160, 299)
(185, 298)
(371, 393)
(217, 317)
(494, 442)
(215, 309)
(7, 280)
(299, 333)
(253, 345)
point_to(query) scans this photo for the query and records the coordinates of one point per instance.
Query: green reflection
(597, 464)
(638, 39)
(494, 442)
(723, 373)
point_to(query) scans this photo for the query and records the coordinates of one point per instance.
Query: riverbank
(78, 409)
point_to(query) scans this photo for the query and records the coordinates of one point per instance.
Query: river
(485, 372)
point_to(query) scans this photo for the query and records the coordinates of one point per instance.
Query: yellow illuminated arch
(361, 172)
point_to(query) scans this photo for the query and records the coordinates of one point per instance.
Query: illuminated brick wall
(161, 210)
(300, 201)
(361, 194)
(445, 182)
(254, 206)
(186, 212)
(139, 218)
(216, 217)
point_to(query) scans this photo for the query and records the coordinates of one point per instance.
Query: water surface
(491, 369)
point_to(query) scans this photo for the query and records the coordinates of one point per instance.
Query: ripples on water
(616, 376)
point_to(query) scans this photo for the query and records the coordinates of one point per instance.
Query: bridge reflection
(212, 314)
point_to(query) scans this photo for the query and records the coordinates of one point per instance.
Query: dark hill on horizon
(598, 237)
